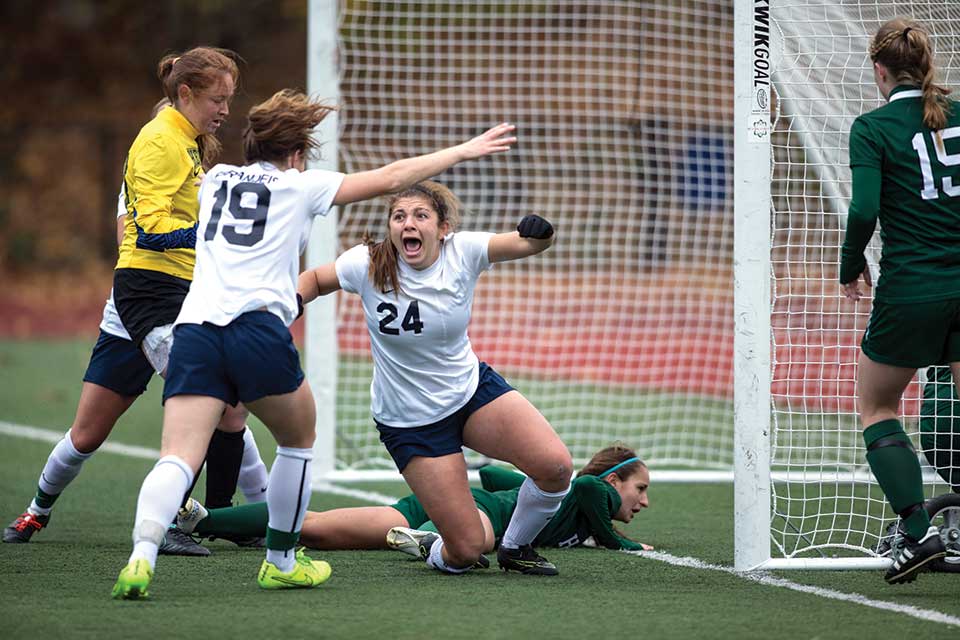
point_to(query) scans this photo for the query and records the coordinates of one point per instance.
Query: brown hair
(904, 48)
(383, 255)
(199, 68)
(282, 125)
(611, 456)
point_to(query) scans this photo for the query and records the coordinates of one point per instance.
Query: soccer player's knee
(234, 419)
(464, 550)
(555, 472)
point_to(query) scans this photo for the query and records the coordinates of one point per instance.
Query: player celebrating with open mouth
(430, 394)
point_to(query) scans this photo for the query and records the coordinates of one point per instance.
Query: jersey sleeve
(353, 267)
(595, 502)
(473, 248)
(321, 188)
(861, 221)
(498, 479)
(156, 175)
(864, 149)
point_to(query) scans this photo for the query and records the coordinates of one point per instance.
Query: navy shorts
(248, 359)
(445, 436)
(119, 365)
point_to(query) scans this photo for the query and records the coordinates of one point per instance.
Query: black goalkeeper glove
(299, 305)
(533, 226)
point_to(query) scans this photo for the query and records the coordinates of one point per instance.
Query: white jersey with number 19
(254, 223)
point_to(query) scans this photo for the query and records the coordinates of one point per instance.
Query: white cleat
(410, 541)
(190, 514)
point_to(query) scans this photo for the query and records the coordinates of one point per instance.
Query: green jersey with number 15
(919, 199)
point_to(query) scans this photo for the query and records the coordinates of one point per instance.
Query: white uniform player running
(232, 341)
(430, 394)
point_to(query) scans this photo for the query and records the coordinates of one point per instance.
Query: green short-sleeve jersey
(919, 200)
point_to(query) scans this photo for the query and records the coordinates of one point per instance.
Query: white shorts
(156, 346)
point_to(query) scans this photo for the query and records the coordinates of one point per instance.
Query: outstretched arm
(404, 173)
(533, 235)
(314, 283)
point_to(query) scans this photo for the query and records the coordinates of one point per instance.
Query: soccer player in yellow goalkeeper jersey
(161, 177)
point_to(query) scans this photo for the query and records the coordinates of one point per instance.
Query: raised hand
(494, 140)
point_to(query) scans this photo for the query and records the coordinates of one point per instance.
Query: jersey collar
(904, 91)
(179, 121)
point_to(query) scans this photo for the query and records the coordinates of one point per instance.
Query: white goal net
(824, 499)
(624, 330)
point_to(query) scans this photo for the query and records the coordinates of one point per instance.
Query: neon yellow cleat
(133, 581)
(306, 574)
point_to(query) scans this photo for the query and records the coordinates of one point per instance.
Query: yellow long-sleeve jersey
(161, 176)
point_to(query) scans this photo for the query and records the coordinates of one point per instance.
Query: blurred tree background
(80, 78)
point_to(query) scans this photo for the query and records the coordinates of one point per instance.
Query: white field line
(927, 615)
(131, 451)
(766, 579)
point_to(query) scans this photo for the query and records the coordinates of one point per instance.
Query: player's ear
(612, 479)
(184, 93)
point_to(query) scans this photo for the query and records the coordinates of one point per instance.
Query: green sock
(897, 470)
(45, 500)
(281, 540)
(245, 520)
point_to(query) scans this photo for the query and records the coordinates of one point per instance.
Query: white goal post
(692, 157)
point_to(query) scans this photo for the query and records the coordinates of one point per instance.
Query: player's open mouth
(411, 246)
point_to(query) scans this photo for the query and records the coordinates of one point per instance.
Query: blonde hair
(383, 255)
(903, 46)
(282, 125)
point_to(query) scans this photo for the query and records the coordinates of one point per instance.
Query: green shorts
(498, 509)
(913, 335)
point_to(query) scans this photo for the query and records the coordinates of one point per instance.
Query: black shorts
(445, 436)
(914, 334)
(248, 359)
(147, 299)
(119, 365)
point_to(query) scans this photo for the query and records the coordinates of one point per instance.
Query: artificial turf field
(59, 585)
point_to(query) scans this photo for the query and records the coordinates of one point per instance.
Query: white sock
(288, 493)
(61, 468)
(534, 509)
(253, 473)
(435, 559)
(160, 497)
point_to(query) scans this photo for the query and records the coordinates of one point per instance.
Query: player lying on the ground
(612, 486)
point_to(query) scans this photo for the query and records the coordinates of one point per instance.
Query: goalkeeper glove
(533, 226)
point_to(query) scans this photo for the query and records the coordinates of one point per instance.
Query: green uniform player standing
(905, 161)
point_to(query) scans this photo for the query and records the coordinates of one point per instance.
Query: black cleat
(914, 557)
(252, 542)
(177, 543)
(425, 543)
(23, 528)
(526, 561)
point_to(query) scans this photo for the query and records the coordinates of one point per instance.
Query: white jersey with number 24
(424, 368)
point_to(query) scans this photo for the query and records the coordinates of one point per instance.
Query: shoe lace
(27, 520)
(527, 553)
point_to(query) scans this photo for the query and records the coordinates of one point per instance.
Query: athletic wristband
(533, 226)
